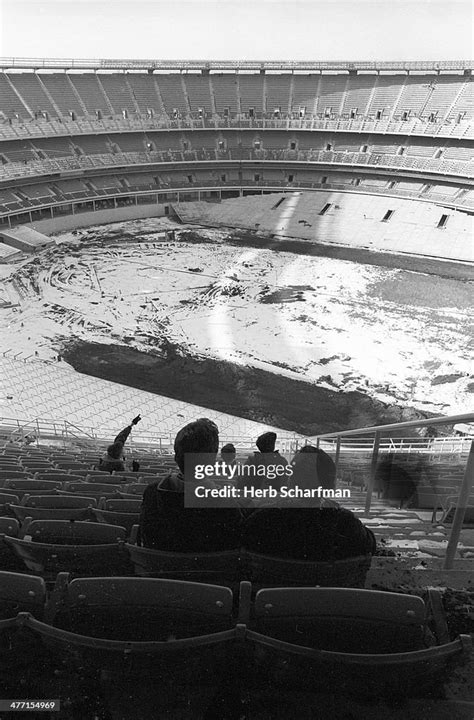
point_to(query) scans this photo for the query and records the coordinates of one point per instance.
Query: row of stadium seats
(216, 146)
(85, 547)
(28, 95)
(41, 168)
(122, 186)
(386, 643)
(64, 128)
(95, 534)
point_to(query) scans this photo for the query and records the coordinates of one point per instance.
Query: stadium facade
(80, 136)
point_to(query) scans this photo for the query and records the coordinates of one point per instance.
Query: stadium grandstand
(370, 164)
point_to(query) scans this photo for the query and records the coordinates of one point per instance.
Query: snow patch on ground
(307, 317)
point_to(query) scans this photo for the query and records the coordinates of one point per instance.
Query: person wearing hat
(228, 454)
(266, 456)
(113, 460)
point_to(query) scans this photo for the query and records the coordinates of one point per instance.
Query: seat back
(124, 506)
(9, 526)
(341, 619)
(7, 499)
(71, 465)
(64, 532)
(268, 570)
(59, 475)
(140, 609)
(58, 501)
(215, 567)
(14, 474)
(21, 593)
(93, 488)
(106, 479)
(135, 489)
(37, 487)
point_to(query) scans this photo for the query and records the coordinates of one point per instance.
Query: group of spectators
(323, 531)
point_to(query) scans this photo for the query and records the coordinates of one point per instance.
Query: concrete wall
(99, 217)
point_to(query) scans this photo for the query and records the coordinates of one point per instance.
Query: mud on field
(243, 391)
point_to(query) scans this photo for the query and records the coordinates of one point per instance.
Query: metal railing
(233, 65)
(409, 164)
(69, 433)
(14, 129)
(439, 449)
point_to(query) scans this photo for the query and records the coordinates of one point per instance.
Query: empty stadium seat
(129, 623)
(58, 476)
(8, 559)
(50, 546)
(316, 638)
(54, 507)
(341, 619)
(21, 593)
(6, 499)
(118, 512)
(11, 474)
(135, 489)
(216, 567)
(91, 488)
(31, 486)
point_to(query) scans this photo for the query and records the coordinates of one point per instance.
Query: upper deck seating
(11, 105)
(331, 94)
(172, 94)
(464, 104)
(251, 93)
(305, 91)
(387, 90)
(358, 94)
(62, 92)
(444, 90)
(225, 93)
(91, 94)
(118, 92)
(277, 92)
(415, 93)
(199, 94)
(145, 93)
(31, 90)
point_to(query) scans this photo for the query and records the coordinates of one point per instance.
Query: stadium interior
(354, 161)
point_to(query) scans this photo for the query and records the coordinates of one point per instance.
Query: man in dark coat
(165, 522)
(322, 532)
(113, 460)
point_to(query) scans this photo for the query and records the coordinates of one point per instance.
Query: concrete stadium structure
(82, 135)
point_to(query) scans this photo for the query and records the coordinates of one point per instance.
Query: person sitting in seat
(228, 454)
(313, 467)
(266, 456)
(113, 460)
(319, 531)
(166, 524)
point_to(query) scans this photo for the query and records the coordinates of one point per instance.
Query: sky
(238, 30)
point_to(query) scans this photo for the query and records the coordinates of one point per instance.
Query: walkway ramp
(25, 239)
